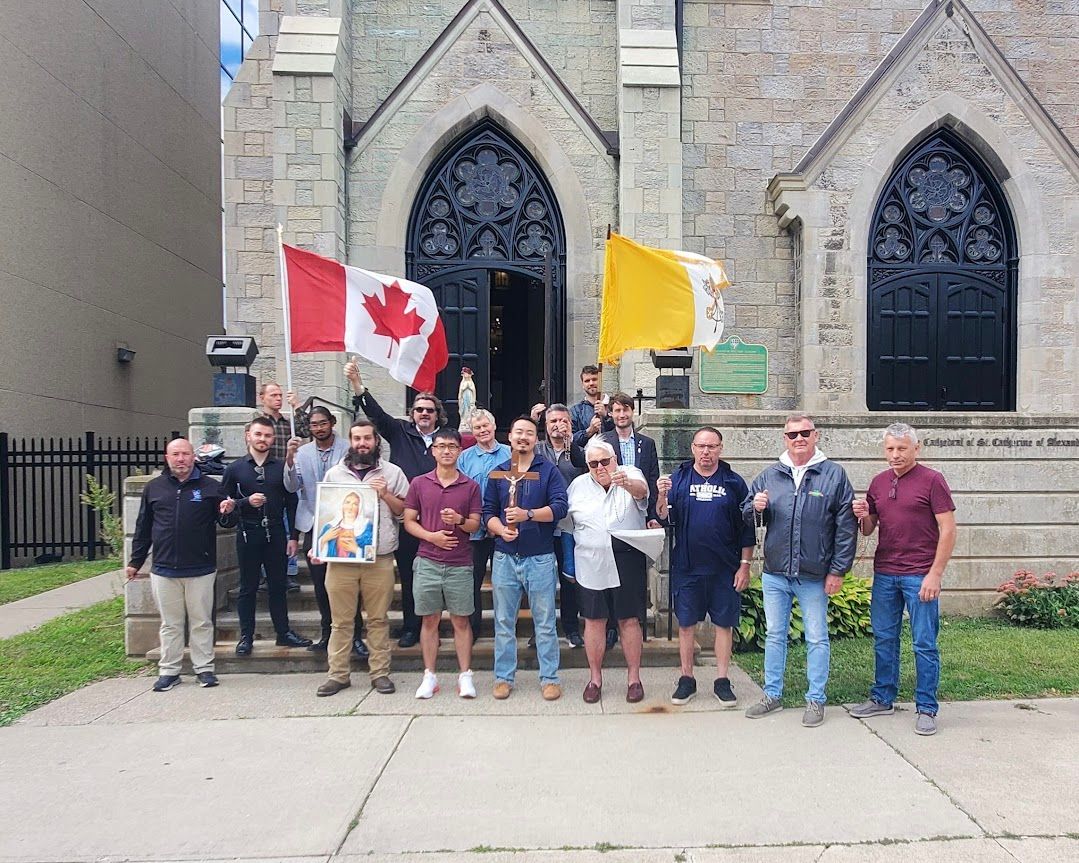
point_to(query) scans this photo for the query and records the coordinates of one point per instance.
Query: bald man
(178, 518)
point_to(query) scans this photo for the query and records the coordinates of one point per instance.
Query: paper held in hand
(649, 540)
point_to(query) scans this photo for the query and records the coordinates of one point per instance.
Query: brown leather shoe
(592, 693)
(635, 692)
(502, 690)
(332, 687)
(551, 692)
(383, 685)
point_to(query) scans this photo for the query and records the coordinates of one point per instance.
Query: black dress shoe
(291, 639)
(359, 649)
(612, 638)
(243, 646)
(408, 639)
(320, 646)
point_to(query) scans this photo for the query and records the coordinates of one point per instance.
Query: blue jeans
(779, 594)
(891, 593)
(511, 577)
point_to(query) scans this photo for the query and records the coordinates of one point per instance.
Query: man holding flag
(393, 323)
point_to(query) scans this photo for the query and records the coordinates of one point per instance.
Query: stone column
(650, 128)
(311, 90)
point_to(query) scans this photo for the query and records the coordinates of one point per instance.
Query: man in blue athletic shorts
(710, 555)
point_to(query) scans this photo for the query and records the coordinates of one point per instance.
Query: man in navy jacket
(178, 518)
(524, 558)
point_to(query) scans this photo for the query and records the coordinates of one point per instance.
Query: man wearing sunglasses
(256, 487)
(410, 449)
(804, 501)
(710, 554)
(913, 506)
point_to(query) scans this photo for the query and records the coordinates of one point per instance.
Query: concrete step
(304, 598)
(308, 623)
(268, 658)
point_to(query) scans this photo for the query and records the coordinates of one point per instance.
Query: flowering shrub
(1042, 603)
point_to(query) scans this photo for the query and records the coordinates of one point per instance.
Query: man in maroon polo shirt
(442, 509)
(913, 506)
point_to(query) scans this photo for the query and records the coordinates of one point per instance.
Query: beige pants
(190, 599)
(345, 582)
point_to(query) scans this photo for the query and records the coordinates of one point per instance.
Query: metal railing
(41, 480)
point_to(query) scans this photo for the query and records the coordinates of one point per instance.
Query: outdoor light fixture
(124, 354)
(232, 389)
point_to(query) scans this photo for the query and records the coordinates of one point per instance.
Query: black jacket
(179, 519)
(408, 450)
(241, 480)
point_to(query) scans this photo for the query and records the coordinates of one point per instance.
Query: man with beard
(264, 504)
(590, 414)
(563, 453)
(345, 582)
(524, 556)
(410, 449)
(303, 472)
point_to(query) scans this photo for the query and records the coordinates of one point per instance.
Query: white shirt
(799, 471)
(595, 512)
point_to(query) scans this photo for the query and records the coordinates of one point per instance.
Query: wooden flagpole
(288, 323)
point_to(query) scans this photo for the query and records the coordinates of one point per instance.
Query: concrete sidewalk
(259, 769)
(22, 615)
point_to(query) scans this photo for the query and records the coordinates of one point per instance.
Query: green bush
(1042, 603)
(848, 614)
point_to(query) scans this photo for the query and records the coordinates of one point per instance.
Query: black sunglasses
(603, 462)
(794, 435)
(895, 488)
(424, 410)
(260, 474)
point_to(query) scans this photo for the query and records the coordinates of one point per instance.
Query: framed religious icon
(346, 523)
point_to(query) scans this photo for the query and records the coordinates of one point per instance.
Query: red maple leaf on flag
(391, 319)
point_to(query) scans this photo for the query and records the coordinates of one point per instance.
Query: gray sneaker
(814, 714)
(763, 707)
(871, 708)
(925, 725)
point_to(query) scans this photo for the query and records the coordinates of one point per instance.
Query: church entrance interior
(486, 236)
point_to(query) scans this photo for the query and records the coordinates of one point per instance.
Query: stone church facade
(892, 187)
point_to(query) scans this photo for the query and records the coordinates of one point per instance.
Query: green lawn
(32, 580)
(62, 655)
(980, 658)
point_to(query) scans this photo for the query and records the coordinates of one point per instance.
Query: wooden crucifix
(513, 476)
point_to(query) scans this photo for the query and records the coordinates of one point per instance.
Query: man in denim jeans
(913, 506)
(804, 501)
(524, 557)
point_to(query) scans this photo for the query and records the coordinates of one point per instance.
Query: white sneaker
(465, 687)
(429, 686)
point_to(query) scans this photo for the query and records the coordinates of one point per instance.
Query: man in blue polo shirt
(710, 555)
(524, 557)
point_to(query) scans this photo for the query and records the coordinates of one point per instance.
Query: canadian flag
(392, 322)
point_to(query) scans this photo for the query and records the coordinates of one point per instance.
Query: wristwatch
(530, 514)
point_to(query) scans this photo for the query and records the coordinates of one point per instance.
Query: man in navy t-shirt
(710, 555)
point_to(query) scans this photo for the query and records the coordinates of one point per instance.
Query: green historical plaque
(734, 366)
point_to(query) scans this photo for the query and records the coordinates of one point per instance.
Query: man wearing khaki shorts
(345, 582)
(442, 508)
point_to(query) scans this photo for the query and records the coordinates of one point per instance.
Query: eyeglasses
(449, 447)
(419, 410)
(794, 435)
(603, 462)
(706, 446)
(260, 474)
(317, 424)
(895, 488)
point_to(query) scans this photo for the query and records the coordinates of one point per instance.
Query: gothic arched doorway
(942, 285)
(486, 235)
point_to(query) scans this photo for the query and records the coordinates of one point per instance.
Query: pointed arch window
(942, 285)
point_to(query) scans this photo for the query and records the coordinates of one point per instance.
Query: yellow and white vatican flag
(658, 299)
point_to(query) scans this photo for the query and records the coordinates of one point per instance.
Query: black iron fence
(41, 479)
